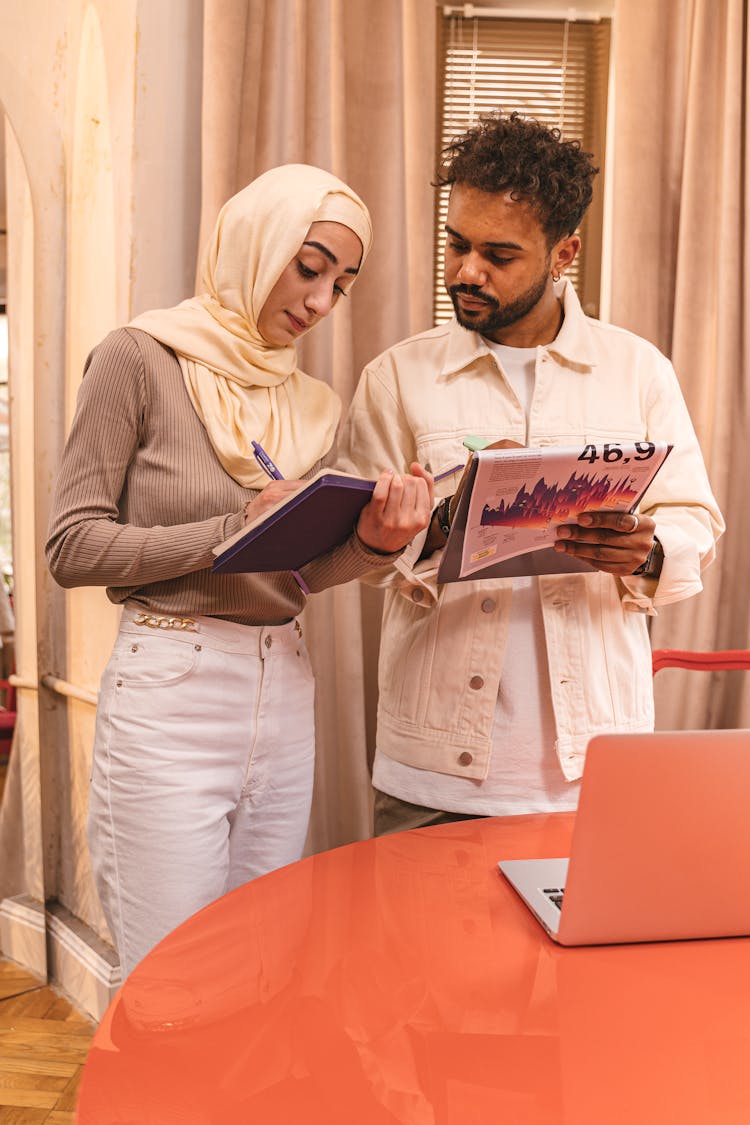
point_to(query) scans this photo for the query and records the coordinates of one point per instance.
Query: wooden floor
(43, 1044)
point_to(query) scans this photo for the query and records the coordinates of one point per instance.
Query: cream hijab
(242, 388)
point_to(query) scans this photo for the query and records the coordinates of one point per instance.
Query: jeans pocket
(154, 660)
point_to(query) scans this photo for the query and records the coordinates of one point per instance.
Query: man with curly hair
(491, 689)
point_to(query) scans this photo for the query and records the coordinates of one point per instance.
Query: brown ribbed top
(141, 499)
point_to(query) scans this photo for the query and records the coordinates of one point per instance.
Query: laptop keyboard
(555, 895)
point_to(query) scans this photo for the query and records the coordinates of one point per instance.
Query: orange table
(400, 981)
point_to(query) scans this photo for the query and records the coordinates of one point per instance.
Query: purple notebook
(310, 523)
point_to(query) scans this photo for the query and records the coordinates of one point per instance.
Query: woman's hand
(275, 491)
(615, 542)
(400, 508)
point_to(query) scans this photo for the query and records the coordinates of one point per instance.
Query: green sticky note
(475, 443)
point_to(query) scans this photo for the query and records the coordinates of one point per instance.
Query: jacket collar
(573, 345)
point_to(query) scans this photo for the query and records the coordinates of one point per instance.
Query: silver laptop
(661, 843)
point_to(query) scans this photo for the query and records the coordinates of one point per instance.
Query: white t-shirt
(524, 774)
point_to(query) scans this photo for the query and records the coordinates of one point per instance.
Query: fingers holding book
(401, 507)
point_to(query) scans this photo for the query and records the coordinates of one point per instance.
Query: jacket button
(488, 605)
(465, 759)
(417, 595)
(476, 682)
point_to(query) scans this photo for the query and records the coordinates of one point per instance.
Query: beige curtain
(348, 85)
(680, 260)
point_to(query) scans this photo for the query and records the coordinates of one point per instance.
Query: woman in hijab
(204, 744)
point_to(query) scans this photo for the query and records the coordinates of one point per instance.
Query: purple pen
(271, 471)
(265, 462)
(448, 472)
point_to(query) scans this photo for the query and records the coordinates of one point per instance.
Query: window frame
(584, 45)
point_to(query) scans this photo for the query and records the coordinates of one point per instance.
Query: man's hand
(615, 542)
(275, 491)
(400, 508)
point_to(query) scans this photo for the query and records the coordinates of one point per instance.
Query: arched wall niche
(32, 96)
(22, 889)
(110, 138)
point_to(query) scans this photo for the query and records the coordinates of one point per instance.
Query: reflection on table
(400, 980)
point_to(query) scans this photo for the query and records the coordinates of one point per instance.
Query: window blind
(553, 70)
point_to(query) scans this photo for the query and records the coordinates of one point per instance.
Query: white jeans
(202, 772)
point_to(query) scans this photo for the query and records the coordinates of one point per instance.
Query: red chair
(7, 717)
(721, 661)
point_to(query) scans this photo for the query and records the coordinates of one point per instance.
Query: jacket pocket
(445, 456)
(406, 657)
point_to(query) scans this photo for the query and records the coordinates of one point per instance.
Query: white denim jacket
(443, 647)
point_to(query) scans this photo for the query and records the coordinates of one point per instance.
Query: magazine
(515, 499)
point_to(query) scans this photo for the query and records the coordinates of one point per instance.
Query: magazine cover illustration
(520, 496)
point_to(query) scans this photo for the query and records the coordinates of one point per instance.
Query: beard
(497, 316)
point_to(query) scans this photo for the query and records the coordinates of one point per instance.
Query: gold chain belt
(185, 623)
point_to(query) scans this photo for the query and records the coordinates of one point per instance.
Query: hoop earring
(556, 276)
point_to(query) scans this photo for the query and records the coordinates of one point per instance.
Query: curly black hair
(521, 155)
